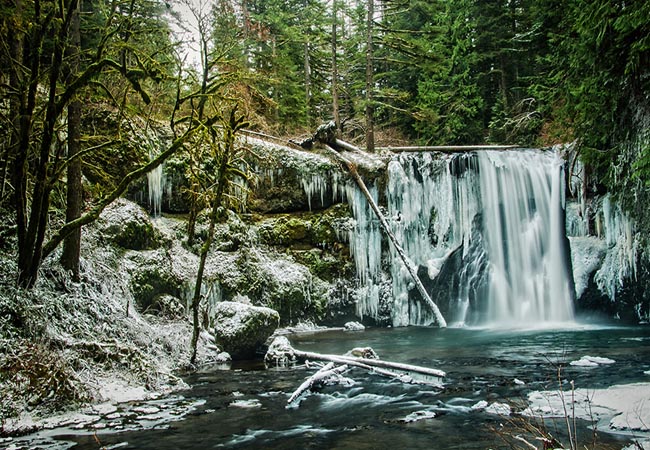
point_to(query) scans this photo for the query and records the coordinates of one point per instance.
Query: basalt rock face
(242, 329)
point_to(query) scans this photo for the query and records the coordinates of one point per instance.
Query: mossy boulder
(285, 231)
(128, 225)
(242, 329)
(292, 290)
(152, 276)
(167, 306)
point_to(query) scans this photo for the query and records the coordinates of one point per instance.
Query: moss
(137, 236)
(316, 229)
(285, 231)
(325, 265)
(151, 282)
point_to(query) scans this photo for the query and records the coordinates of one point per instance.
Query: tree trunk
(196, 298)
(15, 37)
(361, 362)
(30, 254)
(336, 114)
(370, 125)
(384, 224)
(307, 83)
(74, 194)
(31, 58)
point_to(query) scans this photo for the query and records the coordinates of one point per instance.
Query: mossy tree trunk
(74, 188)
(226, 153)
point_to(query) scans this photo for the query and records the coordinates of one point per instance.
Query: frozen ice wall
(432, 203)
(500, 213)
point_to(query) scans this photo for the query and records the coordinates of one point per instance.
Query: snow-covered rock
(621, 408)
(242, 329)
(280, 352)
(591, 361)
(128, 225)
(499, 409)
(496, 408)
(354, 326)
(418, 415)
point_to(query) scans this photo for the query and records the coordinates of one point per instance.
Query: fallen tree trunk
(320, 378)
(440, 320)
(448, 148)
(367, 364)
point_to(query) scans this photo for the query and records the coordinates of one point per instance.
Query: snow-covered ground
(619, 408)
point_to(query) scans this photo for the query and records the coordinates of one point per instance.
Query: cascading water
(523, 224)
(485, 229)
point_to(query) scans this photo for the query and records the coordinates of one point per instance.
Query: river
(245, 406)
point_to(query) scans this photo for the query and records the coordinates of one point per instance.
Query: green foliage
(605, 79)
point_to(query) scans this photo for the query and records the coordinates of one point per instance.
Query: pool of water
(245, 406)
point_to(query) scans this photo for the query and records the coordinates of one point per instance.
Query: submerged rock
(241, 329)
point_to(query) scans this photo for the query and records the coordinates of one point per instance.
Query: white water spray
(522, 200)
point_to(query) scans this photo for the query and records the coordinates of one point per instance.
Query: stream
(245, 406)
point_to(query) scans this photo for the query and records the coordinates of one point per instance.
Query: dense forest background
(83, 81)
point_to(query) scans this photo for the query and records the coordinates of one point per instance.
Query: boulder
(128, 225)
(280, 353)
(241, 329)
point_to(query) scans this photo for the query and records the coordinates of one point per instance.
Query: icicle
(620, 259)
(156, 184)
(318, 184)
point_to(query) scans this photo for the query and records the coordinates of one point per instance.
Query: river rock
(241, 329)
(280, 353)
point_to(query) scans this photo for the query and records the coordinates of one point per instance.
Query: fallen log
(446, 148)
(365, 363)
(281, 352)
(324, 376)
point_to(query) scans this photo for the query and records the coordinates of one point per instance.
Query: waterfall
(485, 229)
(522, 198)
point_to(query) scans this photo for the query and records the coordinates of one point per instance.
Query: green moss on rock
(129, 226)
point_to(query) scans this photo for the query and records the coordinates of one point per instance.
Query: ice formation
(501, 212)
(622, 243)
(156, 184)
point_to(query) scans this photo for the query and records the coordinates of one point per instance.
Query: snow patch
(417, 416)
(620, 408)
(252, 403)
(591, 361)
